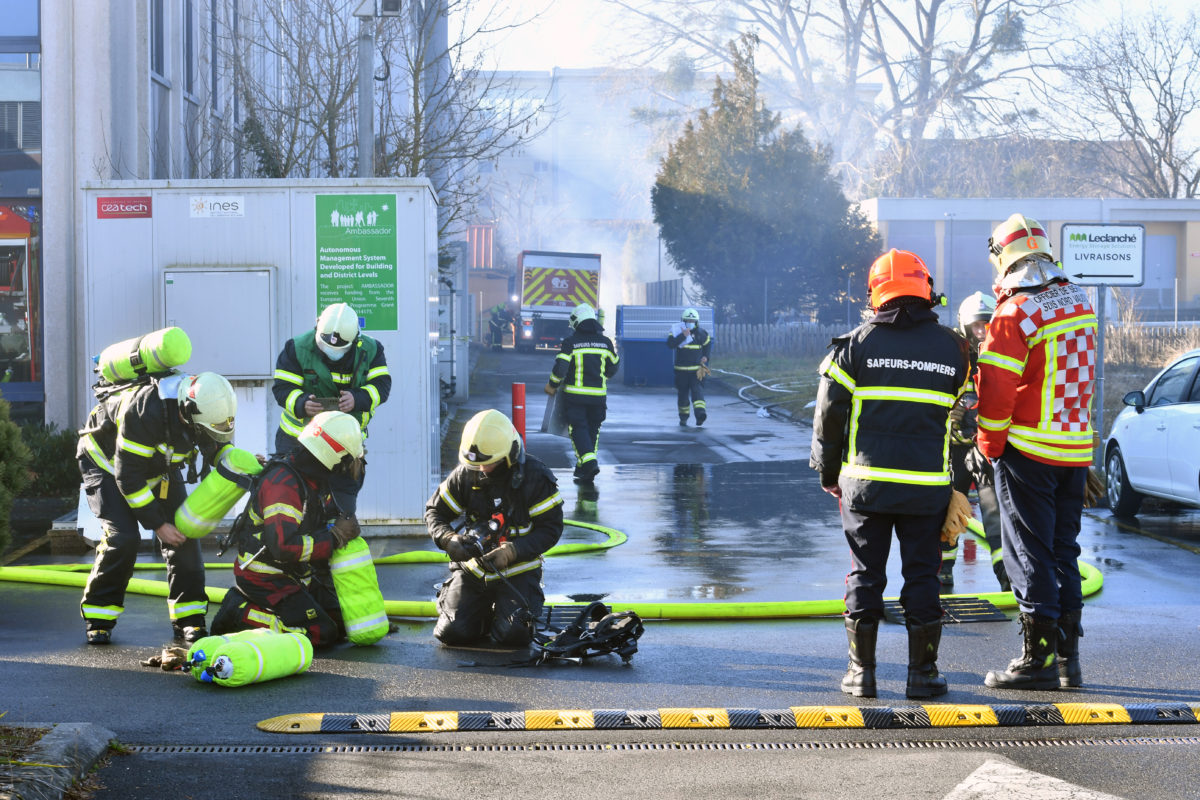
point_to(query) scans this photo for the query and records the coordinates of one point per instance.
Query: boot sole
(859, 692)
(1041, 685)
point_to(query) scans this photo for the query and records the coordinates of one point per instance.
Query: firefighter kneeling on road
(880, 443)
(291, 528)
(968, 465)
(130, 454)
(512, 514)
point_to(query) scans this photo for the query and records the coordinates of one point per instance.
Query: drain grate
(608, 747)
(956, 609)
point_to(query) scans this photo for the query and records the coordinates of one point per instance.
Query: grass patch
(785, 383)
(16, 743)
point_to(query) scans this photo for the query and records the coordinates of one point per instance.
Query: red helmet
(899, 273)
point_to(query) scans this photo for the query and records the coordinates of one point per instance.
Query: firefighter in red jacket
(880, 445)
(281, 576)
(1036, 372)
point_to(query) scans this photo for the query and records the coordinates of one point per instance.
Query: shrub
(54, 471)
(14, 465)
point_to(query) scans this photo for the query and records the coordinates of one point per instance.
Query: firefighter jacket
(880, 430)
(586, 360)
(286, 529)
(137, 435)
(962, 432)
(302, 370)
(1036, 369)
(689, 353)
(526, 495)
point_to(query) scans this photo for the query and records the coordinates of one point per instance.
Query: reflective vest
(1036, 372)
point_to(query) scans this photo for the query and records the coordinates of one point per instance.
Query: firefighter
(967, 464)
(586, 360)
(1036, 372)
(692, 345)
(511, 514)
(130, 454)
(333, 367)
(281, 576)
(880, 445)
(498, 324)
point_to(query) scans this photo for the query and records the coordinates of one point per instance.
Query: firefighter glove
(456, 548)
(957, 412)
(958, 514)
(1094, 491)
(502, 556)
(703, 372)
(550, 389)
(344, 529)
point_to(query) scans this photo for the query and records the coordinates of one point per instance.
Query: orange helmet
(899, 273)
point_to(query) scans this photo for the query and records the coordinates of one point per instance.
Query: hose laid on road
(72, 575)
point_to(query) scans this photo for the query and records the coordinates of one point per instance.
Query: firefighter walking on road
(692, 345)
(967, 465)
(880, 437)
(585, 362)
(130, 454)
(1036, 372)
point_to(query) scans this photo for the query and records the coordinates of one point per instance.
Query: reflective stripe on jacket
(687, 356)
(302, 370)
(585, 361)
(881, 425)
(1036, 372)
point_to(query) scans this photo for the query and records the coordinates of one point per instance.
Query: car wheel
(1123, 499)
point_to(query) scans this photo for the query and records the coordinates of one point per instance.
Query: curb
(69, 749)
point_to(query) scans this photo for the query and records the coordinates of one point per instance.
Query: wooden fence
(807, 340)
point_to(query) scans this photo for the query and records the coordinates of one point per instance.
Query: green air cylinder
(154, 352)
(358, 593)
(220, 490)
(201, 652)
(255, 659)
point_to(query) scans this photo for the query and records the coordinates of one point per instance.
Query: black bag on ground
(596, 631)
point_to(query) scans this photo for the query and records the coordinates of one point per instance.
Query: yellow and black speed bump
(796, 717)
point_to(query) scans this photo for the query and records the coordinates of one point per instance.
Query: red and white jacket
(1036, 372)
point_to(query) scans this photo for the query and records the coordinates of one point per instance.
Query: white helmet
(978, 307)
(208, 400)
(337, 328)
(690, 315)
(582, 312)
(332, 437)
(487, 438)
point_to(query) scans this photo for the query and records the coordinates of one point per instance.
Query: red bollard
(518, 408)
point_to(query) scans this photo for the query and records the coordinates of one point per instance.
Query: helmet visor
(222, 430)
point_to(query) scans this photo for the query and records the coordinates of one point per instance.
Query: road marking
(996, 778)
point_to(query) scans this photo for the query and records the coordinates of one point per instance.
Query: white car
(1154, 446)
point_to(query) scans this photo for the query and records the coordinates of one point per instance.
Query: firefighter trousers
(281, 602)
(583, 422)
(869, 535)
(469, 608)
(1040, 510)
(689, 391)
(104, 594)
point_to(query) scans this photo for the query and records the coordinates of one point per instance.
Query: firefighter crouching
(586, 360)
(1036, 372)
(967, 465)
(512, 514)
(130, 454)
(281, 576)
(880, 446)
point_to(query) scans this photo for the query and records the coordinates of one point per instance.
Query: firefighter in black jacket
(586, 360)
(692, 345)
(880, 446)
(512, 514)
(130, 454)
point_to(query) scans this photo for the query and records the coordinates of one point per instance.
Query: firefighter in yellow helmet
(333, 367)
(292, 526)
(495, 515)
(967, 464)
(130, 454)
(891, 381)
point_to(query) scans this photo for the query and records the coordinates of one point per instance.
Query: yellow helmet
(487, 438)
(690, 315)
(337, 328)
(1014, 239)
(332, 437)
(208, 400)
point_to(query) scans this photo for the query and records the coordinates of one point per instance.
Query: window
(20, 126)
(158, 40)
(1173, 385)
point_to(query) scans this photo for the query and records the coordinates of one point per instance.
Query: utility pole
(367, 12)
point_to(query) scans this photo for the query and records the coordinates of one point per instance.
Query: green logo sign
(356, 256)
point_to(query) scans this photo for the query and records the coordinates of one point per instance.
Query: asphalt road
(727, 512)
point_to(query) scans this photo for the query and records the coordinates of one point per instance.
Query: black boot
(1035, 669)
(860, 673)
(1070, 674)
(923, 677)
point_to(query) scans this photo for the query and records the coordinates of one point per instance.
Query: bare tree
(439, 112)
(1136, 84)
(860, 73)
